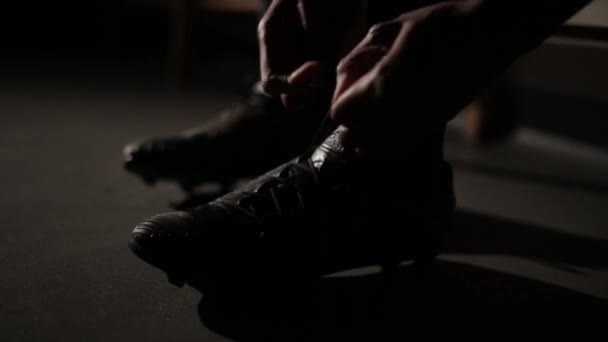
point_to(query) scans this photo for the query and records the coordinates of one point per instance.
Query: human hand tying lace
(408, 76)
(301, 41)
(397, 89)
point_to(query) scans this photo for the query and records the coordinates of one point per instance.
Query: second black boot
(242, 142)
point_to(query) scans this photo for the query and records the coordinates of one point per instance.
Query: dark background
(527, 257)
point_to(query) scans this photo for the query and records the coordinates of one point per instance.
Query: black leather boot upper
(242, 142)
(325, 211)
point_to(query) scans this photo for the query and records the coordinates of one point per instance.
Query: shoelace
(274, 188)
(268, 192)
(326, 127)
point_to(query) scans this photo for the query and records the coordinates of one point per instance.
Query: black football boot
(326, 211)
(242, 142)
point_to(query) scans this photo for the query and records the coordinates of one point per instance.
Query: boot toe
(158, 238)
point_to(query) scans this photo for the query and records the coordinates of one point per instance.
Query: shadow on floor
(449, 300)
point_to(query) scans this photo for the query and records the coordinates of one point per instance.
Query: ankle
(394, 147)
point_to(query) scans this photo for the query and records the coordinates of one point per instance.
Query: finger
(310, 84)
(355, 88)
(275, 85)
(312, 74)
(356, 66)
(365, 55)
(281, 42)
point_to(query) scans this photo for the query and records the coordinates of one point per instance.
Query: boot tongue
(331, 150)
(333, 163)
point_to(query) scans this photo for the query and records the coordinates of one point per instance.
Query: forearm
(377, 10)
(383, 10)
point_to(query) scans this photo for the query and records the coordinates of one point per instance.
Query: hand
(410, 75)
(302, 41)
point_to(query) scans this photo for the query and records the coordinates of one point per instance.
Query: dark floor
(528, 255)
